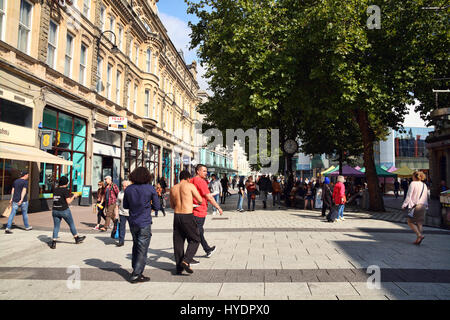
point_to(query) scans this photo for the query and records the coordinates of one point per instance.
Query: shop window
(79, 127)
(79, 143)
(10, 171)
(65, 123)
(16, 114)
(50, 118)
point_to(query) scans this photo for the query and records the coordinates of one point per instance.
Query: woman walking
(339, 197)
(251, 192)
(62, 197)
(100, 206)
(241, 193)
(416, 202)
(140, 197)
(159, 191)
(309, 196)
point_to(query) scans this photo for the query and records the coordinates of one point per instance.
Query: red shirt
(202, 187)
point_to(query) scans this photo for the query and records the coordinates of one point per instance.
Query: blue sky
(175, 18)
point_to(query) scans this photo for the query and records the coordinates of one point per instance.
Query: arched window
(149, 59)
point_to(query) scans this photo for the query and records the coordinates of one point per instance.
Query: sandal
(419, 240)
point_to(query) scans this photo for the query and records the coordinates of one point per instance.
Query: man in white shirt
(123, 214)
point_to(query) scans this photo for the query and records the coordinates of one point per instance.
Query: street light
(114, 49)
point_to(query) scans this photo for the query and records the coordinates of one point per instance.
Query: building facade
(67, 67)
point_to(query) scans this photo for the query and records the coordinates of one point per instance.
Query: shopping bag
(115, 230)
(7, 211)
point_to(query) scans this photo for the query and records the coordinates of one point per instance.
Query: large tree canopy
(314, 69)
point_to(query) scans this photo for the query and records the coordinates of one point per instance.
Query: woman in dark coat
(327, 196)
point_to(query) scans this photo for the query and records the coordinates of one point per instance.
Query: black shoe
(195, 261)
(53, 245)
(179, 271)
(210, 252)
(140, 278)
(186, 267)
(119, 244)
(79, 239)
(8, 231)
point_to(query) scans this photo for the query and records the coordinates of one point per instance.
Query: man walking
(264, 187)
(111, 193)
(19, 199)
(276, 191)
(215, 186)
(405, 187)
(184, 225)
(225, 183)
(396, 188)
(201, 210)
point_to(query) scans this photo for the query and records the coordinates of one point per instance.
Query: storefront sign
(17, 134)
(117, 123)
(86, 196)
(46, 140)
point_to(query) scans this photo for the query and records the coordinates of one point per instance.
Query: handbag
(411, 210)
(115, 230)
(6, 213)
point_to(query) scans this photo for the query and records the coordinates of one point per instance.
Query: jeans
(185, 228)
(224, 196)
(122, 227)
(240, 202)
(141, 242)
(15, 206)
(58, 216)
(216, 198)
(253, 201)
(276, 199)
(200, 222)
(341, 210)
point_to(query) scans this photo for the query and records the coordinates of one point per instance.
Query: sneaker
(29, 228)
(96, 228)
(8, 231)
(342, 219)
(140, 278)
(119, 244)
(195, 261)
(79, 239)
(210, 252)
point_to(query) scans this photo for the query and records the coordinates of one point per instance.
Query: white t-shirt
(122, 210)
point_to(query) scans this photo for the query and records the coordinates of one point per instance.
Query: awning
(24, 153)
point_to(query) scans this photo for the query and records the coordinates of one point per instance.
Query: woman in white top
(417, 198)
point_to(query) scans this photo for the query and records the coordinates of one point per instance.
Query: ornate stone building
(66, 68)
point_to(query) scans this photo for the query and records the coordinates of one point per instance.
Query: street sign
(117, 123)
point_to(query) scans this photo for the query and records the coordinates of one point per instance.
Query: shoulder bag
(411, 210)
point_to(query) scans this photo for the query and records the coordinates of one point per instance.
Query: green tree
(273, 63)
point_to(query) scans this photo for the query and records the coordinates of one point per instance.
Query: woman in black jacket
(327, 196)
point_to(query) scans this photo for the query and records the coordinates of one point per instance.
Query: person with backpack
(111, 194)
(417, 203)
(62, 197)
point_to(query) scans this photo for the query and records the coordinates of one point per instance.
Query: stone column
(43, 32)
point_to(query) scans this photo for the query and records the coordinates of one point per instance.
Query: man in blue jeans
(140, 197)
(19, 199)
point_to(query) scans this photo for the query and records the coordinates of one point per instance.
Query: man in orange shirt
(201, 210)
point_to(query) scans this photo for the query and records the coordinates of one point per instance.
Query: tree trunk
(340, 162)
(375, 197)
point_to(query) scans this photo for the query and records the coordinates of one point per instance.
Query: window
(86, 7)
(69, 144)
(130, 50)
(112, 21)
(108, 81)
(99, 74)
(136, 57)
(135, 98)
(51, 49)
(149, 57)
(83, 58)
(102, 18)
(68, 57)
(147, 101)
(154, 109)
(2, 17)
(16, 114)
(118, 76)
(128, 95)
(24, 25)
(120, 36)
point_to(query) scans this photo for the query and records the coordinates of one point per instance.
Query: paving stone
(289, 289)
(326, 288)
(242, 289)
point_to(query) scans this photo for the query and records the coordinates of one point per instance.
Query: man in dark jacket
(327, 196)
(265, 186)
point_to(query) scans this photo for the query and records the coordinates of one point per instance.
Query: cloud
(179, 31)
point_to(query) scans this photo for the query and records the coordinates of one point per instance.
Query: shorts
(309, 198)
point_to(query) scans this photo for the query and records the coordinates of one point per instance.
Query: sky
(175, 19)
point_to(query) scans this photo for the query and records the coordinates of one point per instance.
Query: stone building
(68, 67)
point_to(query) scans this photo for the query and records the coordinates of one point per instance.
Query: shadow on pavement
(47, 240)
(108, 266)
(155, 255)
(107, 240)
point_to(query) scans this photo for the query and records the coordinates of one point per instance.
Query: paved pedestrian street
(263, 255)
